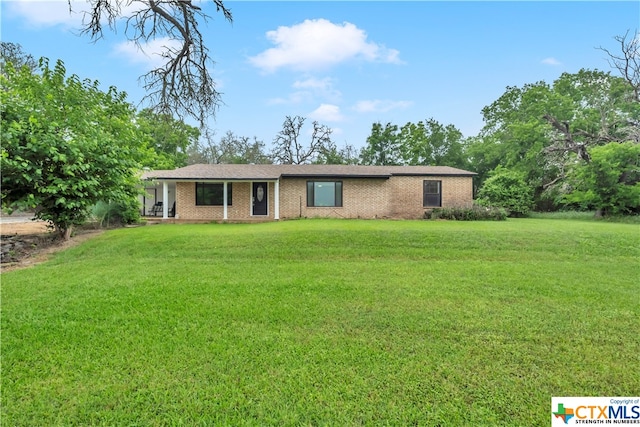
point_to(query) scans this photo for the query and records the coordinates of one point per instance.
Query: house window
(209, 194)
(432, 194)
(324, 193)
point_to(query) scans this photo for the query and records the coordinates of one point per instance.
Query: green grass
(323, 322)
(585, 216)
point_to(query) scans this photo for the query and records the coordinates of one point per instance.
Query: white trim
(276, 199)
(165, 200)
(224, 200)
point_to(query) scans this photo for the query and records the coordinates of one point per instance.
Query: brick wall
(361, 198)
(396, 197)
(240, 209)
(407, 194)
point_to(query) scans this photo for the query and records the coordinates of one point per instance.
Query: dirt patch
(27, 227)
(23, 248)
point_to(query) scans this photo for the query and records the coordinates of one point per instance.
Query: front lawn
(323, 322)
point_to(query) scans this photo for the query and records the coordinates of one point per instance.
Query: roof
(272, 172)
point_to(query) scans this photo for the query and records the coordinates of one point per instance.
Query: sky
(348, 64)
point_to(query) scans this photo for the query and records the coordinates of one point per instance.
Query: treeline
(571, 144)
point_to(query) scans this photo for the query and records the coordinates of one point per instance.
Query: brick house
(270, 192)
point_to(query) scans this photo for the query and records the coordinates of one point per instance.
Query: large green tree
(541, 130)
(170, 138)
(609, 182)
(66, 145)
(382, 146)
(423, 143)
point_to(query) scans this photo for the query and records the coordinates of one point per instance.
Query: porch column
(165, 200)
(276, 201)
(224, 198)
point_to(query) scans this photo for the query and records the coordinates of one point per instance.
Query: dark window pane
(209, 194)
(432, 196)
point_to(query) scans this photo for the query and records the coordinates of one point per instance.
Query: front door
(260, 198)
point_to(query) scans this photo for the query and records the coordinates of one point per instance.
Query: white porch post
(224, 198)
(276, 201)
(165, 200)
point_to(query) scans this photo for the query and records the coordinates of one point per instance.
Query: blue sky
(350, 64)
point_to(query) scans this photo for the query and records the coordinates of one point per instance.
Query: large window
(210, 194)
(324, 193)
(432, 194)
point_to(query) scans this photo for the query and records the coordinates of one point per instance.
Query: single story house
(221, 192)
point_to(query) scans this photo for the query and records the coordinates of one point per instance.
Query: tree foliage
(66, 145)
(507, 189)
(424, 143)
(541, 130)
(610, 182)
(170, 138)
(231, 148)
(183, 85)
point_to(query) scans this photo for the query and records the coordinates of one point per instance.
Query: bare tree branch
(288, 147)
(567, 143)
(628, 62)
(183, 85)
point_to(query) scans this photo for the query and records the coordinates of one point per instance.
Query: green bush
(507, 189)
(115, 214)
(474, 213)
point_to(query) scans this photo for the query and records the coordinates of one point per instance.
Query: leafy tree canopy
(424, 143)
(170, 138)
(66, 145)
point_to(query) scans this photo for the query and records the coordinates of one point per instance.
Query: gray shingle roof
(272, 172)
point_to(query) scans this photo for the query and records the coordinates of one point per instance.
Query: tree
(230, 149)
(507, 189)
(66, 145)
(627, 62)
(382, 146)
(332, 155)
(431, 143)
(170, 138)
(539, 130)
(289, 147)
(12, 52)
(610, 182)
(183, 86)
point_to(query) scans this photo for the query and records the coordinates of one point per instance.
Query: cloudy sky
(348, 64)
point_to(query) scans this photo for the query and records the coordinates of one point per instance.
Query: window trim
(425, 195)
(205, 184)
(338, 199)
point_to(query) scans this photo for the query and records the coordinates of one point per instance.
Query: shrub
(507, 189)
(474, 213)
(115, 214)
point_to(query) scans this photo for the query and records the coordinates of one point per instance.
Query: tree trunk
(65, 233)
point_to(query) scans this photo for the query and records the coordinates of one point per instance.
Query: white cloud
(380, 106)
(327, 113)
(48, 13)
(551, 61)
(319, 43)
(148, 54)
(39, 13)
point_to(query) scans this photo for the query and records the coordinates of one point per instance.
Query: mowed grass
(323, 322)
